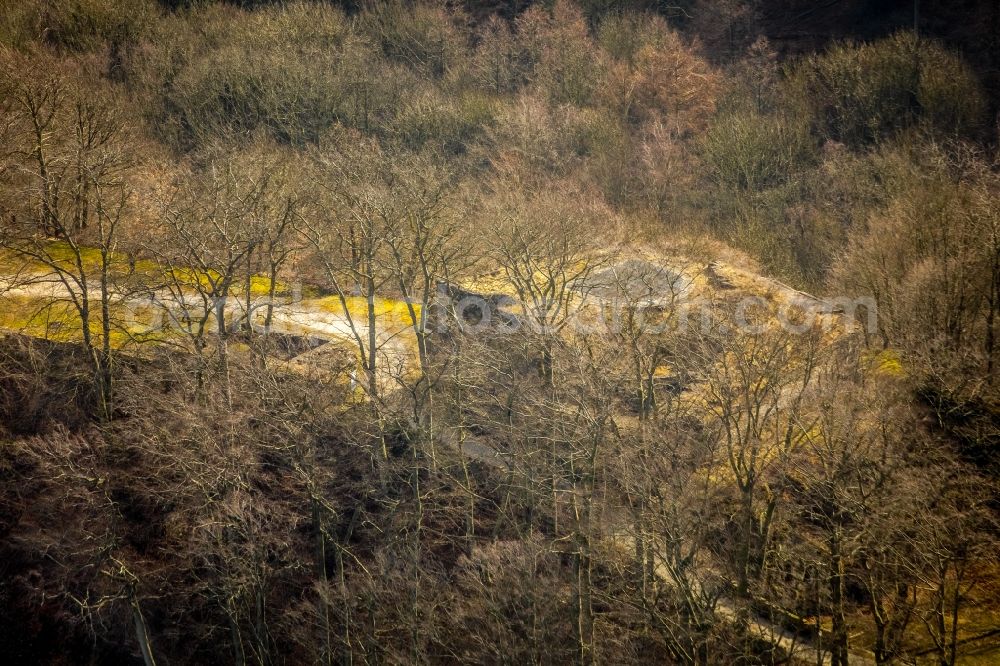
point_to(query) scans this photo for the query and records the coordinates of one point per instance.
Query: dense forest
(610, 331)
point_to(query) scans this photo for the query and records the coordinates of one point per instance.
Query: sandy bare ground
(180, 310)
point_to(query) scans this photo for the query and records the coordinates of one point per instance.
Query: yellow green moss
(60, 253)
(886, 362)
(58, 320)
(394, 312)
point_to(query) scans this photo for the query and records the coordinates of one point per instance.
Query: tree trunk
(141, 634)
(838, 646)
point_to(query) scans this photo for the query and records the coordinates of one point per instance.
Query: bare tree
(542, 251)
(219, 224)
(755, 385)
(850, 453)
(73, 158)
